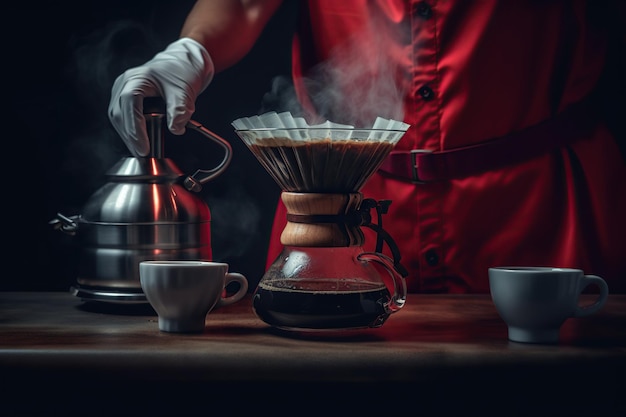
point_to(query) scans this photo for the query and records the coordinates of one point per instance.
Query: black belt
(421, 166)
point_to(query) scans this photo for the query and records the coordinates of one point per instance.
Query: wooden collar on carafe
(321, 220)
(335, 220)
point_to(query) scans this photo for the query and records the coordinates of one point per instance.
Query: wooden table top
(436, 346)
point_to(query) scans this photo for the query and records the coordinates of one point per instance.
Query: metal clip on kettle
(146, 210)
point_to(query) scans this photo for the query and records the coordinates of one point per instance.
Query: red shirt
(473, 71)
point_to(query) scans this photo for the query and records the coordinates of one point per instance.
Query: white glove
(178, 74)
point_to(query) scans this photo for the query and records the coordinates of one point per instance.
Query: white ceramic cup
(535, 301)
(183, 292)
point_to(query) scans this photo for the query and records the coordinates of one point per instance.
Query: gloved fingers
(126, 110)
(138, 142)
(179, 108)
(178, 74)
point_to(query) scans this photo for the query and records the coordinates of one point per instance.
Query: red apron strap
(575, 122)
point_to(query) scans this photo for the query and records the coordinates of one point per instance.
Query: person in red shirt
(516, 162)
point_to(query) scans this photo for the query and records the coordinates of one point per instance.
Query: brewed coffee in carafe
(324, 279)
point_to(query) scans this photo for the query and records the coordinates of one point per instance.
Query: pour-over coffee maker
(324, 279)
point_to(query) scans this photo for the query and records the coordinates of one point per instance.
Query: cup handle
(398, 297)
(602, 297)
(243, 288)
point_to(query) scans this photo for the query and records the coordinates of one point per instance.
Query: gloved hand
(178, 74)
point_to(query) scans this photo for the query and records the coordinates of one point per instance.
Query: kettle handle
(194, 182)
(154, 112)
(398, 297)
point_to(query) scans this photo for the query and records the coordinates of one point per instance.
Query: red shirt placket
(423, 113)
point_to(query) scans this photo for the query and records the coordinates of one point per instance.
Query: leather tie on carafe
(361, 217)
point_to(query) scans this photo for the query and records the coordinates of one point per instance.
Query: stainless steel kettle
(146, 210)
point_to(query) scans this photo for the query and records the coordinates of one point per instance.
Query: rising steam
(360, 81)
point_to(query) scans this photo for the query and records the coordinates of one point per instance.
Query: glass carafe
(327, 288)
(324, 279)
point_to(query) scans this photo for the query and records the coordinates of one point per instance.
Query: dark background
(60, 60)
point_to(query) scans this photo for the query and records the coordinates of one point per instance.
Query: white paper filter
(277, 140)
